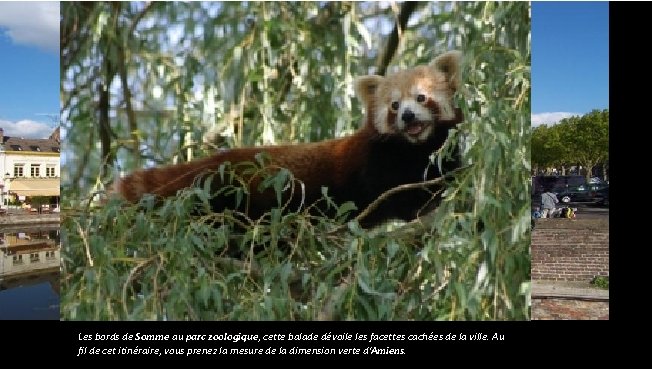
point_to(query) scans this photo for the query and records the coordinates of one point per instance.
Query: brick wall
(570, 250)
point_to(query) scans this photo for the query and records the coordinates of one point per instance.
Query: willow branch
(391, 192)
(407, 9)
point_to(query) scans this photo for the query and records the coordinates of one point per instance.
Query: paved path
(554, 300)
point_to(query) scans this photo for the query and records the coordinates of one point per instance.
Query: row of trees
(578, 140)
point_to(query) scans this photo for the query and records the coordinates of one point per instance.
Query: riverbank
(29, 219)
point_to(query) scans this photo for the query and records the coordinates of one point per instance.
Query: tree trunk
(104, 127)
(393, 42)
(126, 91)
(589, 171)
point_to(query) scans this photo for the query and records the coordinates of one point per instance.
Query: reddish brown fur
(328, 163)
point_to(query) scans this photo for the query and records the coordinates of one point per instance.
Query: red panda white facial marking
(414, 119)
(413, 115)
(411, 102)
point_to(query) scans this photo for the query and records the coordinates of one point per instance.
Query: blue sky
(570, 63)
(570, 59)
(29, 68)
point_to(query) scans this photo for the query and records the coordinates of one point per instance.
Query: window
(18, 170)
(33, 258)
(49, 254)
(18, 259)
(49, 171)
(36, 170)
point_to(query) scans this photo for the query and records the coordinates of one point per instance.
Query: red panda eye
(421, 98)
(395, 105)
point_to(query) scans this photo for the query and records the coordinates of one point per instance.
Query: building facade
(29, 167)
(22, 253)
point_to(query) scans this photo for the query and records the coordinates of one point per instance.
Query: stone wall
(28, 219)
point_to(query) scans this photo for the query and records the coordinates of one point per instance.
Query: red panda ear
(366, 87)
(449, 64)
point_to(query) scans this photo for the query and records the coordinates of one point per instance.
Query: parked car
(541, 183)
(602, 196)
(581, 193)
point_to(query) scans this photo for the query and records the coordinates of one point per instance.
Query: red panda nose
(408, 116)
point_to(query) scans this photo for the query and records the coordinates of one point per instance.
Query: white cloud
(550, 118)
(31, 23)
(26, 129)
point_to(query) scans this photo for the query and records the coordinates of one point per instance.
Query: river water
(30, 262)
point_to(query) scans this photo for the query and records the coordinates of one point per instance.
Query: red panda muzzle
(414, 128)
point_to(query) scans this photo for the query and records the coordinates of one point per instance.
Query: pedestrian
(548, 203)
(536, 214)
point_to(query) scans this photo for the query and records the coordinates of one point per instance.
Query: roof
(30, 144)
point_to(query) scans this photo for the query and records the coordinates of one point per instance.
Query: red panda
(408, 116)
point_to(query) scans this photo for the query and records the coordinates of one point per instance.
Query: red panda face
(412, 101)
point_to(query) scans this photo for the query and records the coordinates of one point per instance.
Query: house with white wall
(29, 167)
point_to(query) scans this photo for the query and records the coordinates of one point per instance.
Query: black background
(535, 342)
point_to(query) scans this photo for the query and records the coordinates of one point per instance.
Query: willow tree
(162, 82)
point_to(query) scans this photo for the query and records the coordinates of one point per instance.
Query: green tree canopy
(582, 140)
(587, 138)
(544, 147)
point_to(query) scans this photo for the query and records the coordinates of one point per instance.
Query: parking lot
(589, 197)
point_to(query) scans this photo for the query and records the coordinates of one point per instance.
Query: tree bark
(131, 117)
(104, 127)
(589, 171)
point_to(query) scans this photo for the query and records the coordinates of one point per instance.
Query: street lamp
(2, 192)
